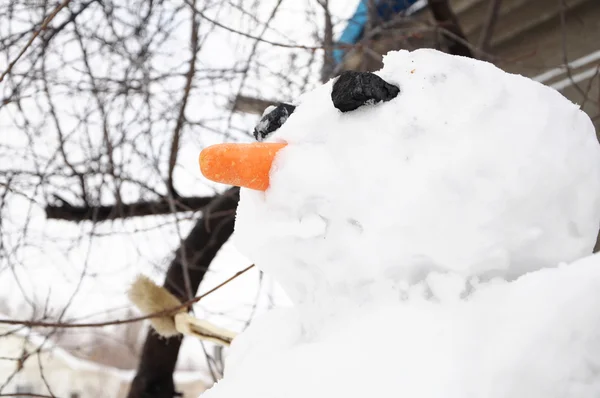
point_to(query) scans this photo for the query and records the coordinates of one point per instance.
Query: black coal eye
(272, 119)
(352, 90)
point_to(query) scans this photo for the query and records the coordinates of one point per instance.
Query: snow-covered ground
(435, 245)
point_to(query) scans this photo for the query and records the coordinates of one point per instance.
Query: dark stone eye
(272, 120)
(354, 89)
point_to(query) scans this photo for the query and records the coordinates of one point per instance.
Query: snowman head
(450, 164)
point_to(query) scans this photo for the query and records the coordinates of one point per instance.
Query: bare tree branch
(168, 311)
(328, 60)
(446, 18)
(67, 212)
(89, 102)
(44, 25)
(250, 36)
(565, 56)
(189, 78)
(488, 26)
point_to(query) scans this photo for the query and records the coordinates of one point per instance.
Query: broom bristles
(150, 298)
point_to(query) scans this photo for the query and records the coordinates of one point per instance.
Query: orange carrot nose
(242, 165)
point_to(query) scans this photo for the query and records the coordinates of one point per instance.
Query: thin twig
(488, 27)
(563, 26)
(586, 97)
(175, 147)
(328, 60)
(258, 38)
(165, 312)
(45, 23)
(184, 101)
(447, 19)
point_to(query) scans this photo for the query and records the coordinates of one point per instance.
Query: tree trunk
(154, 378)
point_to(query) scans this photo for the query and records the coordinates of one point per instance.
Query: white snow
(268, 110)
(434, 245)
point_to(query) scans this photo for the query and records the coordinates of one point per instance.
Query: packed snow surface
(433, 245)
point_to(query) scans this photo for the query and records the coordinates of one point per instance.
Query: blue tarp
(353, 32)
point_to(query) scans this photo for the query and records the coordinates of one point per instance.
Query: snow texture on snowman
(433, 224)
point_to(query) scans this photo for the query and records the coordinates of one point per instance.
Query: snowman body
(434, 245)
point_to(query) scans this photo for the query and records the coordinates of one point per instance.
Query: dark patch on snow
(273, 120)
(356, 224)
(438, 78)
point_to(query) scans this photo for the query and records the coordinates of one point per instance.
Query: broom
(151, 299)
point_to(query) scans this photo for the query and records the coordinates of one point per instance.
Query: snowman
(433, 224)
